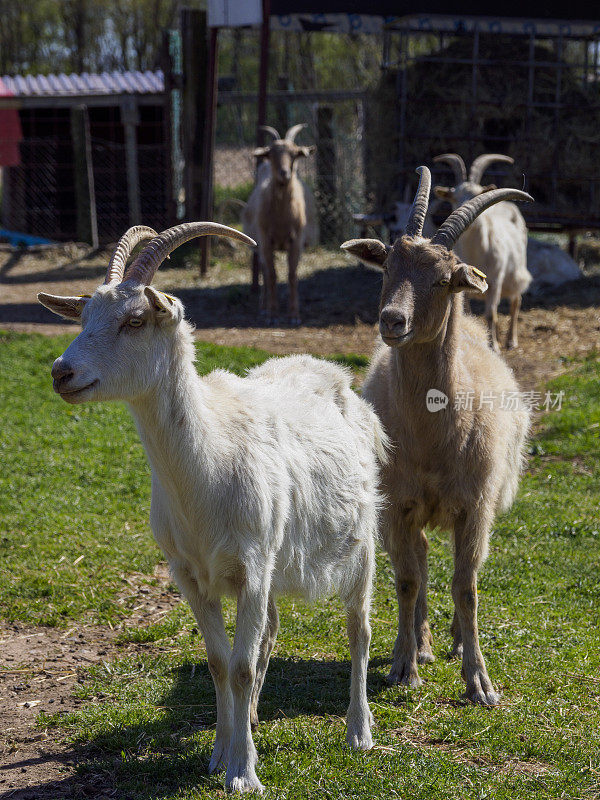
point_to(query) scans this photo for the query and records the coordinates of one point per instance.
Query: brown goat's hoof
(404, 675)
(425, 656)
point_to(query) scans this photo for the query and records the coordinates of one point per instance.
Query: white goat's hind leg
(492, 299)
(218, 651)
(359, 718)
(266, 648)
(250, 625)
(512, 339)
(470, 537)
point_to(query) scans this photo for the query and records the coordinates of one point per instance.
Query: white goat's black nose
(61, 373)
(393, 322)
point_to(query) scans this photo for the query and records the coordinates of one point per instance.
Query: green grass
(146, 723)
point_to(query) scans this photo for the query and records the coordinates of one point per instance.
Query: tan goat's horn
(458, 165)
(418, 212)
(268, 129)
(149, 260)
(460, 219)
(294, 131)
(127, 243)
(481, 163)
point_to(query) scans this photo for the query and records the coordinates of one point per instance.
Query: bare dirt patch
(40, 669)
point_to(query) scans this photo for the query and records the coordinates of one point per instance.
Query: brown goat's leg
(469, 539)
(271, 302)
(457, 648)
(294, 303)
(266, 648)
(512, 339)
(408, 583)
(422, 632)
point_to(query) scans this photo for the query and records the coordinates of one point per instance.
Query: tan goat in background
(278, 214)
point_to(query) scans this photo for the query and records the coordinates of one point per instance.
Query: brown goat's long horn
(268, 129)
(294, 131)
(418, 212)
(481, 163)
(458, 165)
(460, 219)
(127, 243)
(149, 260)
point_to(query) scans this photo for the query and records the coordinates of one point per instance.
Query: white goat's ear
(165, 306)
(466, 278)
(371, 251)
(306, 151)
(443, 192)
(68, 307)
(261, 152)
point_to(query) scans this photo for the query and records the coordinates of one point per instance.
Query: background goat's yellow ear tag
(479, 272)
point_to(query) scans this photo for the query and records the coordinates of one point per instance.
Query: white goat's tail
(383, 443)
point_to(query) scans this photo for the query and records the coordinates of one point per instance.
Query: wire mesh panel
(534, 97)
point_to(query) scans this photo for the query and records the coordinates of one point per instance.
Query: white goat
(549, 266)
(454, 468)
(496, 242)
(281, 214)
(261, 485)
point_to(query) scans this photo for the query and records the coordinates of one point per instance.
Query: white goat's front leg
(470, 539)
(266, 648)
(250, 625)
(358, 718)
(218, 652)
(512, 338)
(492, 300)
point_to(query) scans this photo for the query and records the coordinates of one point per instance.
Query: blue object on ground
(22, 239)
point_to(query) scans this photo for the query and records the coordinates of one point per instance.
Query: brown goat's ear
(261, 152)
(489, 188)
(68, 307)
(443, 192)
(466, 278)
(306, 151)
(371, 251)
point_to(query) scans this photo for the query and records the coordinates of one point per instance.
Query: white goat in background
(261, 485)
(496, 241)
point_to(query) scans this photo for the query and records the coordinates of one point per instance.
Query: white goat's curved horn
(458, 165)
(294, 131)
(268, 129)
(127, 243)
(481, 163)
(149, 260)
(418, 212)
(460, 219)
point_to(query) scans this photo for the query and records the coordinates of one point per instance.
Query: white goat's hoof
(247, 782)
(218, 759)
(404, 673)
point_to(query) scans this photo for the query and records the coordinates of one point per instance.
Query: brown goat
(455, 468)
(277, 215)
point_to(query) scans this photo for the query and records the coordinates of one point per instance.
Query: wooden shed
(94, 155)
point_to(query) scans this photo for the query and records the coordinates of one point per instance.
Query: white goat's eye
(135, 322)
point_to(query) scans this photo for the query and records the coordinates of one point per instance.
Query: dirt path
(40, 669)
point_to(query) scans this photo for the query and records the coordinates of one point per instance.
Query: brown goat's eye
(135, 322)
(444, 282)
